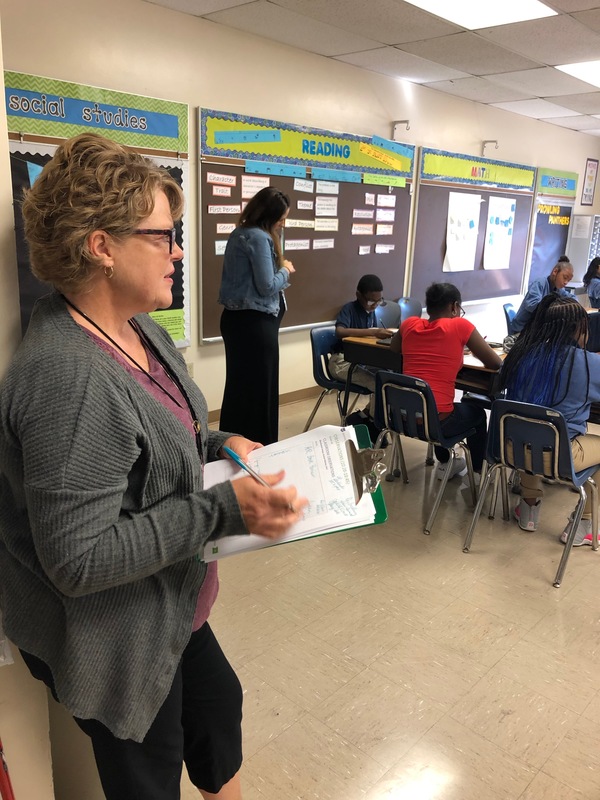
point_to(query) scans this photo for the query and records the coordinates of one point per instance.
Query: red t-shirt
(433, 351)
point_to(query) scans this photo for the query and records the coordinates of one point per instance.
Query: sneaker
(583, 534)
(527, 516)
(357, 418)
(458, 465)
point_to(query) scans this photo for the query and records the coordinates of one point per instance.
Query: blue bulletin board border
(266, 140)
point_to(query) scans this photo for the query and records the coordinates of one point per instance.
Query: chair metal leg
(429, 461)
(571, 537)
(486, 480)
(594, 490)
(470, 474)
(504, 489)
(438, 499)
(315, 409)
(397, 463)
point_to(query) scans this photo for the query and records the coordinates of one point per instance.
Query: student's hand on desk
(243, 447)
(268, 512)
(383, 333)
(289, 266)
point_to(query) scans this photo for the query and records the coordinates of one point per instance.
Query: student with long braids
(549, 365)
(591, 281)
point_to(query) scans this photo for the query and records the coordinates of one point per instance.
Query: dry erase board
(325, 278)
(430, 245)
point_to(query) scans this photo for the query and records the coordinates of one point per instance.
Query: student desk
(472, 377)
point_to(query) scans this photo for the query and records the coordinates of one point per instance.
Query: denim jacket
(251, 278)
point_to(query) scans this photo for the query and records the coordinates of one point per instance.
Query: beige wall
(133, 46)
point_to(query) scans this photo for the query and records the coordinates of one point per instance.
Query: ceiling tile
(273, 22)
(588, 103)
(469, 53)
(199, 7)
(387, 21)
(590, 18)
(394, 62)
(478, 89)
(539, 109)
(551, 41)
(541, 82)
(577, 123)
(572, 5)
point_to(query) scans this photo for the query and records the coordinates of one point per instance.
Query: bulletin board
(556, 195)
(443, 173)
(372, 188)
(42, 112)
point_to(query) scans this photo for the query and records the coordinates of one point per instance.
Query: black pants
(466, 415)
(199, 723)
(251, 398)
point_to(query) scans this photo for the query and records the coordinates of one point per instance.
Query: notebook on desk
(387, 342)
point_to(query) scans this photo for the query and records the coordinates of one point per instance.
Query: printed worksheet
(317, 463)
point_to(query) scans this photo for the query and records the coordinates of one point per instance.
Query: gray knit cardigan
(102, 516)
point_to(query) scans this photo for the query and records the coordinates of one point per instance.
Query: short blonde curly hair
(91, 183)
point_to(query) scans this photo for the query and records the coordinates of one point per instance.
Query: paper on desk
(316, 463)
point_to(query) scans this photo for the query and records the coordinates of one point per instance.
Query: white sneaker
(583, 534)
(458, 465)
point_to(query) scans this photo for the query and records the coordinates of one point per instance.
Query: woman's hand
(241, 446)
(268, 512)
(289, 266)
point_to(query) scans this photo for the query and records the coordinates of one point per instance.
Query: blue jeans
(465, 416)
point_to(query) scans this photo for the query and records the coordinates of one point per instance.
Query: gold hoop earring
(109, 271)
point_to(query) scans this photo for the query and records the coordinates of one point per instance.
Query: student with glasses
(103, 516)
(357, 318)
(432, 349)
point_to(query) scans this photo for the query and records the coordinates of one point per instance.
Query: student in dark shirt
(357, 318)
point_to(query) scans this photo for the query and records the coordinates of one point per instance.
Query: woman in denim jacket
(254, 277)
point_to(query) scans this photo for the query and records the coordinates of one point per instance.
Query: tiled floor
(385, 664)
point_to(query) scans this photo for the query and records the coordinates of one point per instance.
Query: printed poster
(461, 231)
(499, 233)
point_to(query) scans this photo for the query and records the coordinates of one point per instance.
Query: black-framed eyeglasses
(374, 303)
(462, 312)
(170, 232)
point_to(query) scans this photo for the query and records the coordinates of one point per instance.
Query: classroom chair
(388, 314)
(409, 307)
(322, 342)
(535, 439)
(405, 406)
(509, 313)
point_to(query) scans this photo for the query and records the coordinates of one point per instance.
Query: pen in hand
(234, 457)
(247, 468)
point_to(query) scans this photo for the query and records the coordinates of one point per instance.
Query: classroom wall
(133, 46)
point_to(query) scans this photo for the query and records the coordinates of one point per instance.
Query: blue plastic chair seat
(535, 439)
(323, 341)
(405, 405)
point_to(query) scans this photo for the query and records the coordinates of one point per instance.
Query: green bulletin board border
(37, 124)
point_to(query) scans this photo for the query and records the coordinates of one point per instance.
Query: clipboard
(223, 548)
(381, 515)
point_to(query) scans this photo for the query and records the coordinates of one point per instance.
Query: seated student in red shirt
(432, 349)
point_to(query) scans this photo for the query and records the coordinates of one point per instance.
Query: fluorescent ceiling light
(588, 71)
(473, 14)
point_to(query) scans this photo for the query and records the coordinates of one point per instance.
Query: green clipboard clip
(367, 468)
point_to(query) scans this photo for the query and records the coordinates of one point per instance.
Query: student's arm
(396, 343)
(379, 333)
(532, 299)
(481, 350)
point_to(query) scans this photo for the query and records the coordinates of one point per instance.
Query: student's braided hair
(539, 366)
